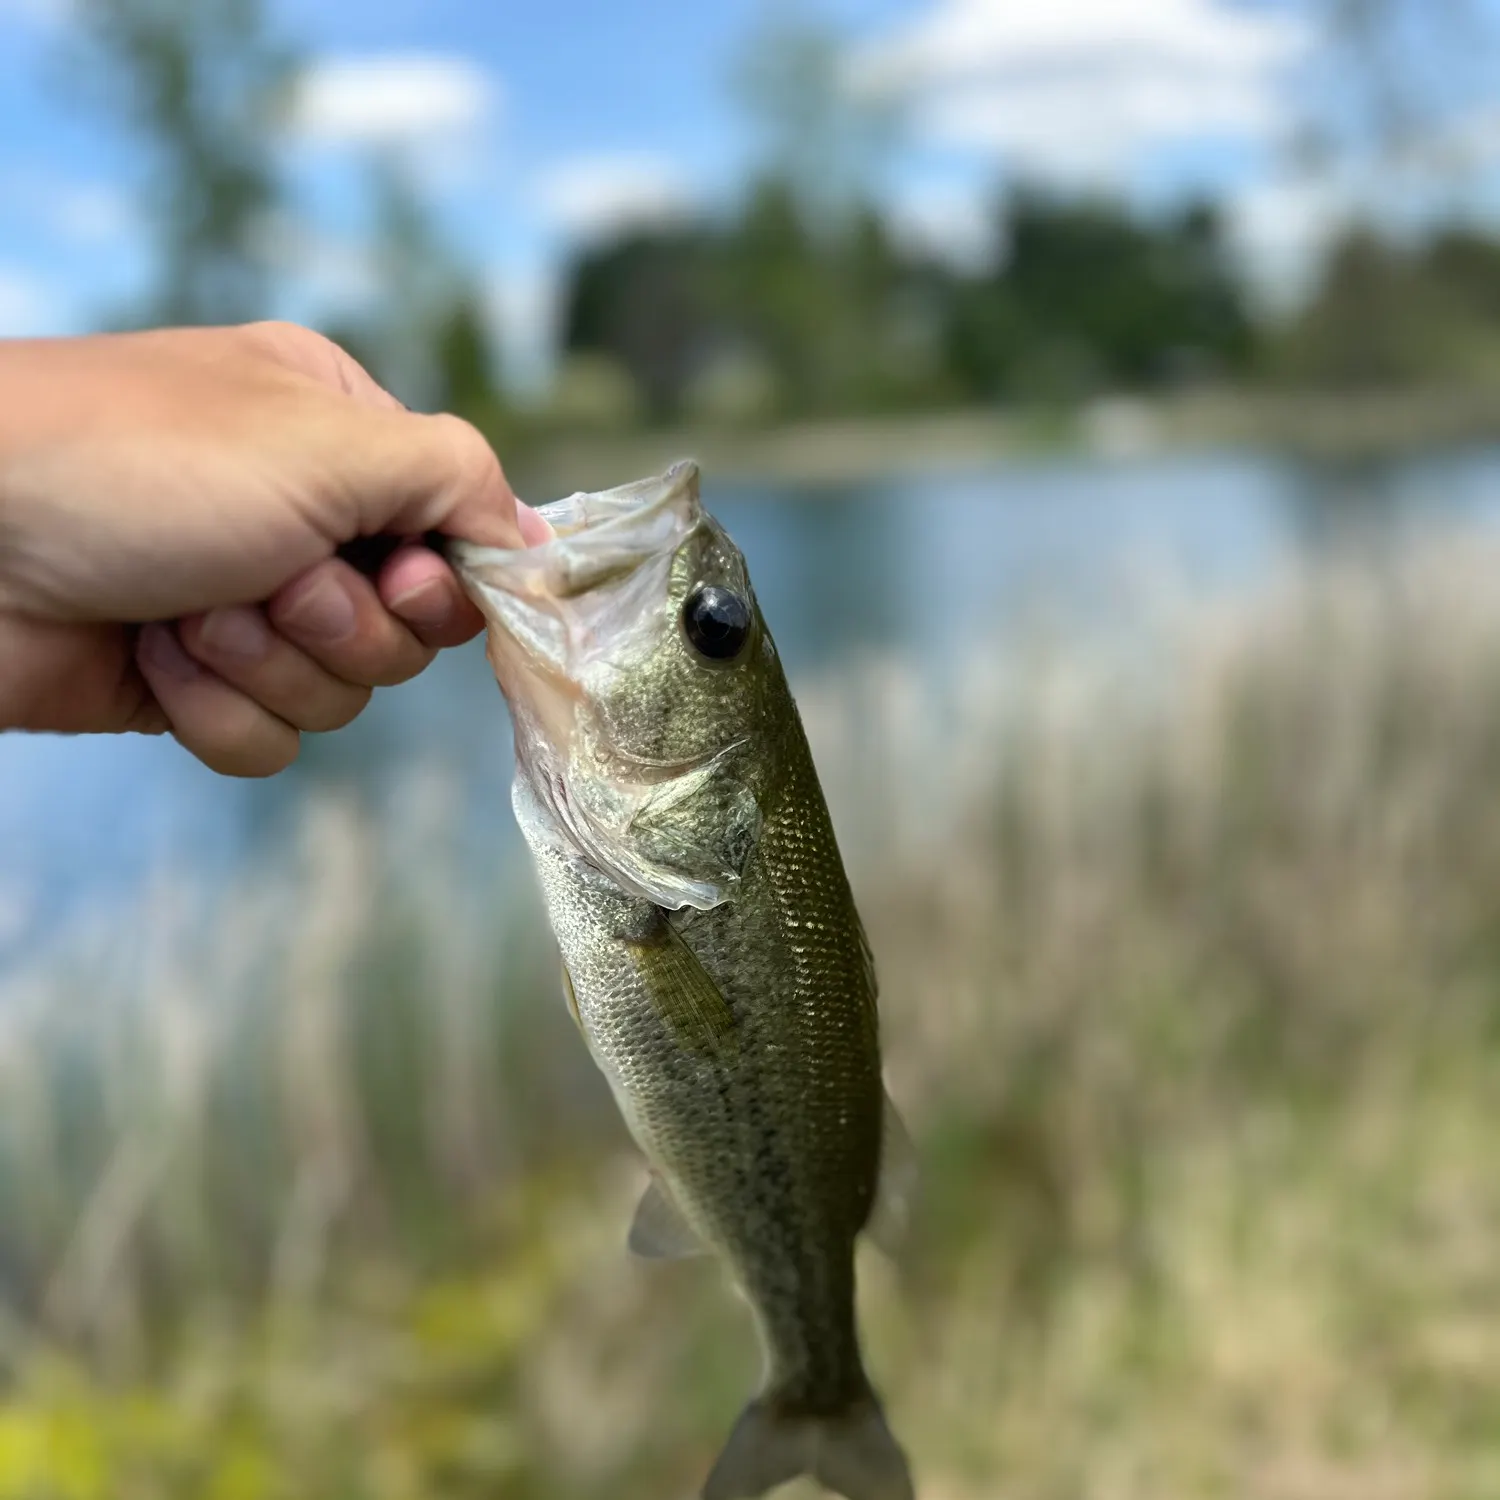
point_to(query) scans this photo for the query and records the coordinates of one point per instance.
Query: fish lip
(625, 526)
(541, 598)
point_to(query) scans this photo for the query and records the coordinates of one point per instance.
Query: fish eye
(716, 623)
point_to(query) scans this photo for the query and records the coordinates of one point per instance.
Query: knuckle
(289, 345)
(398, 662)
(337, 713)
(413, 666)
(475, 464)
(278, 333)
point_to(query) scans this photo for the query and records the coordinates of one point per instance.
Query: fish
(712, 954)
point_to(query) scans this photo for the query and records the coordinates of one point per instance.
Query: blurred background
(1106, 396)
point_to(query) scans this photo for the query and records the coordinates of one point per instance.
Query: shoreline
(1314, 427)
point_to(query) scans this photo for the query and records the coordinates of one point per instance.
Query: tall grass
(1191, 985)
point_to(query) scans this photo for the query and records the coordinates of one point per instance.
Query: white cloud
(1280, 229)
(1468, 142)
(28, 306)
(1087, 87)
(956, 224)
(34, 12)
(392, 99)
(334, 272)
(599, 195)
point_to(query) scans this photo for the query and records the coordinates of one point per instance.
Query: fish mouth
(552, 608)
(598, 539)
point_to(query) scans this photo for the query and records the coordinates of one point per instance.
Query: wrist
(31, 401)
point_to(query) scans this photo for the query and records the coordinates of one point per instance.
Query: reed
(1191, 982)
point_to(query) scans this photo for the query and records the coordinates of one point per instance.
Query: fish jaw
(552, 609)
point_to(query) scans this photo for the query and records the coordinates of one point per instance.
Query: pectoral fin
(683, 992)
(659, 1231)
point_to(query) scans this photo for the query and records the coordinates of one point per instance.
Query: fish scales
(713, 955)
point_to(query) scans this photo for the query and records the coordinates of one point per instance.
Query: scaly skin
(771, 1151)
(715, 959)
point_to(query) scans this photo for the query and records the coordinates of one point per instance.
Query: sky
(536, 125)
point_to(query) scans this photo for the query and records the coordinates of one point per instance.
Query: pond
(924, 567)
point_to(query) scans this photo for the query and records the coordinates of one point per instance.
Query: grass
(1191, 970)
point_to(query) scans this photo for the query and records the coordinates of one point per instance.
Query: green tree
(649, 300)
(199, 85)
(817, 131)
(1090, 296)
(423, 332)
(1387, 315)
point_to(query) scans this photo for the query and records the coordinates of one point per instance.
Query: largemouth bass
(712, 955)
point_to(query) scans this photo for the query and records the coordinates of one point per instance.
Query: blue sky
(537, 124)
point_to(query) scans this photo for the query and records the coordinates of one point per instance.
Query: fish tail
(851, 1453)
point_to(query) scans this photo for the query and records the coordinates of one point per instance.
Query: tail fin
(853, 1454)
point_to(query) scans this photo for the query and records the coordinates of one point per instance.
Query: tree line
(768, 315)
(800, 300)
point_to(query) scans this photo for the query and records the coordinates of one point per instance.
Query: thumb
(410, 473)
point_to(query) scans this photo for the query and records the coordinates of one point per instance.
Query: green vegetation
(794, 298)
(769, 318)
(200, 86)
(1191, 984)
(1392, 317)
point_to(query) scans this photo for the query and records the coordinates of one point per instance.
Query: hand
(170, 507)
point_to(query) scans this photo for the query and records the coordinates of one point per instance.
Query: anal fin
(890, 1219)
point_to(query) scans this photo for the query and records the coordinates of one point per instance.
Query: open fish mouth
(550, 597)
(579, 598)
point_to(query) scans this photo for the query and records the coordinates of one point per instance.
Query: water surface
(923, 568)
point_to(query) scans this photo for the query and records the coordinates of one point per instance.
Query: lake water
(924, 567)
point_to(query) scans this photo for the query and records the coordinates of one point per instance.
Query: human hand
(170, 507)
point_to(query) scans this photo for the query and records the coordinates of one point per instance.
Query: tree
(819, 133)
(424, 333)
(648, 301)
(1392, 78)
(1091, 296)
(200, 84)
(1388, 316)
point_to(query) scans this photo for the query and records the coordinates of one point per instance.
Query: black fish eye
(716, 623)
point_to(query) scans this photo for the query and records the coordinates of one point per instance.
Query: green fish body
(713, 957)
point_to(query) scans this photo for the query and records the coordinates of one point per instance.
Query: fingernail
(322, 610)
(236, 632)
(161, 652)
(534, 528)
(429, 605)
